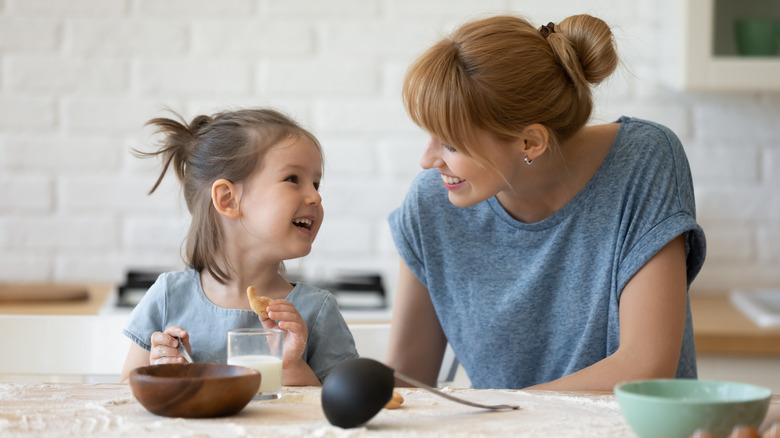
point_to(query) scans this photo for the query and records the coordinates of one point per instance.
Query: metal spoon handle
(183, 350)
(422, 385)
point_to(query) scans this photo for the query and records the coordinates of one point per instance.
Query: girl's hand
(164, 346)
(295, 370)
(296, 332)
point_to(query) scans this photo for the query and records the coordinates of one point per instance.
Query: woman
(549, 254)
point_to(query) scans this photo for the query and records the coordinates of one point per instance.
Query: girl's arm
(417, 341)
(136, 357)
(652, 321)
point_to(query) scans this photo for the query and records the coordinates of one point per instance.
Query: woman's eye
(448, 147)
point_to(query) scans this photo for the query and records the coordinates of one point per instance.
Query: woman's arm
(417, 342)
(652, 322)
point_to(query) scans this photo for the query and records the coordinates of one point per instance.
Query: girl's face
(467, 181)
(281, 208)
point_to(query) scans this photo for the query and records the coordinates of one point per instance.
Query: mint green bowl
(676, 408)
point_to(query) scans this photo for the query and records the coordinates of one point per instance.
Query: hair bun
(593, 43)
(199, 123)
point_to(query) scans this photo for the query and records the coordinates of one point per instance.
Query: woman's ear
(536, 138)
(226, 198)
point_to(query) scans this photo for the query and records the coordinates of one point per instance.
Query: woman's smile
(452, 182)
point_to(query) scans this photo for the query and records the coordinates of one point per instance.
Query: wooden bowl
(194, 390)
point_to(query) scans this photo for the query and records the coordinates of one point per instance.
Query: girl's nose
(431, 155)
(313, 197)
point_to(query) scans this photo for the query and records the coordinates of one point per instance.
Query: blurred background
(79, 78)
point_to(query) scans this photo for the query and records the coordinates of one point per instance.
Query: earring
(527, 160)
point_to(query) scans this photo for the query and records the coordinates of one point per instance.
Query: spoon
(422, 385)
(358, 389)
(183, 350)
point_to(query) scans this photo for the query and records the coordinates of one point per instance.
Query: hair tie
(547, 30)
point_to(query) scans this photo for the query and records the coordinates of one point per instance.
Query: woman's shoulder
(427, 193)
(427, 181)
(635, 131)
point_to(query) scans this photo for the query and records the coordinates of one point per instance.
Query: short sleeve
(330, 341)
(405, 227)
(148, 315)
(663, 204)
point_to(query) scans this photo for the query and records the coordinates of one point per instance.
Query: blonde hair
(501, 74)
(227, 145)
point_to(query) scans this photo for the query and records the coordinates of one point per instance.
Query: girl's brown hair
(227, 145)
(501, 74)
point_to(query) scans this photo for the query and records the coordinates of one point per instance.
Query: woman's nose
(430, 158)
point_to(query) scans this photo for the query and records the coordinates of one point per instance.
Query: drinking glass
(260, 349)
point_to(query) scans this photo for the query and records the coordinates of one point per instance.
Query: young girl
(250, 179)
(549, 253)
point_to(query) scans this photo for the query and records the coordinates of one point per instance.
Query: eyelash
(294, 179)
(448, 147)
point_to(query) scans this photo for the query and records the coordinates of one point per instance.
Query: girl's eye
(317, 186)
(292, 179)
(448, 147)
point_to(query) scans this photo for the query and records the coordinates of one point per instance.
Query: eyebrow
(296, 167)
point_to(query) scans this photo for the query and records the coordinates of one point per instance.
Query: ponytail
(227, 145)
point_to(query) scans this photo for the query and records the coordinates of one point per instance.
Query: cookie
(258, 304)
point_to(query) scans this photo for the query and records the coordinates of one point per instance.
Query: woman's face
(281, 207)
(468, 181)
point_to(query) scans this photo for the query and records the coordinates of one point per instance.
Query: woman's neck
(539, 190)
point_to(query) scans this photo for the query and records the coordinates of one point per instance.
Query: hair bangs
(436, 95)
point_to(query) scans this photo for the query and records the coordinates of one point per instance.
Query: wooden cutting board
(23, 293)
(54, 298)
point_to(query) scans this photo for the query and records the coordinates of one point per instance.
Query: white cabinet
(699, 47)
(758, 370)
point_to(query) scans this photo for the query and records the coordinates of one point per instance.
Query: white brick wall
(78, 79)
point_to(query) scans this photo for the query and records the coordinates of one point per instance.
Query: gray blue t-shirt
(176, 298)
(527, 303)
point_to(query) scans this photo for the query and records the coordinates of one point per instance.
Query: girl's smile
(281, 205)
(306, 226)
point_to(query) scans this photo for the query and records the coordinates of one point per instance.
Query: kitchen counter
(720, 328)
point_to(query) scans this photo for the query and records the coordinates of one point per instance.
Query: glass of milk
(260, 349)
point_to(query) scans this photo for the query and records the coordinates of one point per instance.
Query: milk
(270, 368)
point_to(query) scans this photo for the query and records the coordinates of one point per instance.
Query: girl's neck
(232, 294)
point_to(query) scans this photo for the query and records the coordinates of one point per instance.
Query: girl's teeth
(451, 179)
(305, 223)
